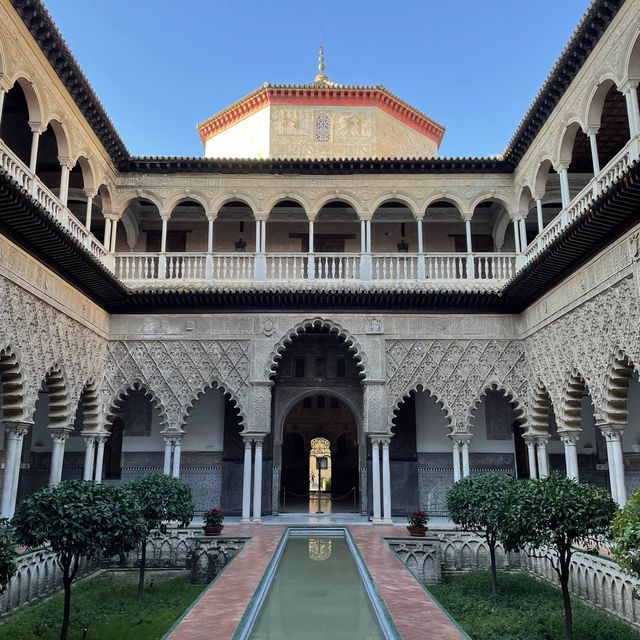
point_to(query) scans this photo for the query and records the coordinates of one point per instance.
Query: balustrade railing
(395, 266)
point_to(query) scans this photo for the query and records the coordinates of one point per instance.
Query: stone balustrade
(596, 580)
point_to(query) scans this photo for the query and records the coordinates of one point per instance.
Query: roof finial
(321, 77)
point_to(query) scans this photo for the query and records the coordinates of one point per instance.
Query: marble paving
(219, 611)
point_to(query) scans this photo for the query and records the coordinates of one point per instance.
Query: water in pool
(317, 594)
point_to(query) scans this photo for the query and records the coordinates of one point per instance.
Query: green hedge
(526, 609)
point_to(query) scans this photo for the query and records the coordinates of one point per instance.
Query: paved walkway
(220, 609)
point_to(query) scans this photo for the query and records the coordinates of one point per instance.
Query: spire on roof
(321, 78)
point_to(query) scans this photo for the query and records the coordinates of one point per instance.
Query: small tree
(475, 503)
(7, 553)
(553, 515)
(162, 499)
(79, 519)
(626, 536)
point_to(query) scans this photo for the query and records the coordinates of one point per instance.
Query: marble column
(246, 481)
(593, 143)
(63, 194)
(177, 447)
(386, 483)
(2, 94)
(523, 234)
(106, 241)
(257, 480)
(100, 441)
(114, 235)
(57, 456)
(539, 214)
(565, 194)
(456, 460)
(570, 453)
(531, 455)
(615, 458)
(15, 432)
(87, 217)
(375, 473)
(466, 467)
(543, 456)
(516, 235)
(168, 446)
(36, 132)
(89, 457)
(629, 89)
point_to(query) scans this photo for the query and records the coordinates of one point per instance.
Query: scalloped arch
(216, 385)
(616, 387)
(12, 388)
(301, 328)
(518, 407)
(56, 381)
(571, 404)
(121, 395)
(541, 406)
(420, 388)
(90, 407)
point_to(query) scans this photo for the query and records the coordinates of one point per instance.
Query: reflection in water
(319, 549)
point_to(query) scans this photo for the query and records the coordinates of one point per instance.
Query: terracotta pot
(213, 530)
(417, 532)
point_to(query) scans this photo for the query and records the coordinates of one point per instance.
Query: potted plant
(213, 522)
(417, 523)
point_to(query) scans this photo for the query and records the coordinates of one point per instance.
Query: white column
(311, 263)
(531, 455)
(101, 440)
(11, 461)
(57, 457)
(258, 239)
(35, 141)
(595, 158)
(467, 230)
(107, 233)
(633, 113)
(621, 488)
(539, 212)
(89, 457)
(246, 482)
(456, 461)
(2, 94)
(263, 237)
(386, 483)
(570, 454)
(375, 480)
(565, 194)
(516, 235)
(368, 227)
(163, 238)
(210, 235)
(422, 271)
(466, 467)
(257, 481)
(87, 218)
(168, 445)
(523, 234)
(114, 234)
(63, 196)
(543, 456)
(310, 236)
(21, 429)
(176, 457)
(363, 236)
(613, 481)
(420, 236)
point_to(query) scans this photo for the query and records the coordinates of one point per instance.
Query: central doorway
(320, 457)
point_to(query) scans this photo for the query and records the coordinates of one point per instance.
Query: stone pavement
(220, 609)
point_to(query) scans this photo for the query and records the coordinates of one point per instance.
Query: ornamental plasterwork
(176, 372)
(43, 337)
(456, 372)
(586, 340)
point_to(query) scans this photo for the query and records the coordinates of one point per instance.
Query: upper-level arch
(278, 198)
(632, 59)
(487, 197)
(62, 136)
(403, 199)
(129, 199)
(191, 196)
(228, 198)
(349, 199)
(32, 97)
(448, 198)
(567, 142)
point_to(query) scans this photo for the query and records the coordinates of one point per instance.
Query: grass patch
(526, 609)
(108, 605)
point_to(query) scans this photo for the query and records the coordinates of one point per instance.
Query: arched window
(323, 127)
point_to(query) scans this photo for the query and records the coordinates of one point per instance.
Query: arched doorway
(319, 456)
(317, 393)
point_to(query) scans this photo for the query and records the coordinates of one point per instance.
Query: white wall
(431, 426)
(249, 138)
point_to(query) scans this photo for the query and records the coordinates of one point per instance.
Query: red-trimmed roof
(321, 94)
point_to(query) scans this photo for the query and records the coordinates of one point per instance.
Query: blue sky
(161, 66)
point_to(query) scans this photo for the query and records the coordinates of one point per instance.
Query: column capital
(569, 438)
(629, 85)
(379, 438)
(466, 215)
(260, 217)
(562, 166)
(17, 427)
(542, 439)
(90, 193)
(65, 161)
(611, 432)
(60, 435)
(37, 127)
(460, 438)
(212, 217)
(529, 438)
(591, 131)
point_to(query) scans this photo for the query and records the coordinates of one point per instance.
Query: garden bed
(107, 604)
(527, 609)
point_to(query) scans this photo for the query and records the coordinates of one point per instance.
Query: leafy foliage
(79, 519)
(556, 513)
(528, 609)
(626, 536)
(476, 503)
(7, 553)
(213, 518)
(162, 499)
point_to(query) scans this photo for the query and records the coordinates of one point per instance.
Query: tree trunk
(566, 598)
(494, 572)
(66, 582)
(143, 560)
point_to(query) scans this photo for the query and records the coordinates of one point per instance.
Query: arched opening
(144, 216)
(212, 450)
(394, 228)
(187, 227)
(51, 147)
(14, 126)
(80, 186)
(317, 394)
(575, 154)
(287, 232)
(234, 229)
(420, 456)
(337, 228)
(100, 205)
(136, 445)
(497, 444)
(443, 228)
